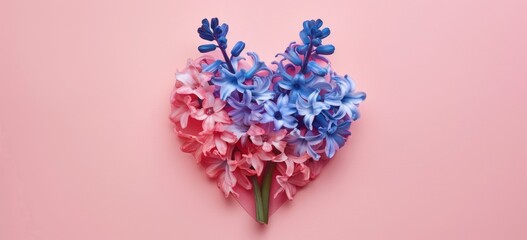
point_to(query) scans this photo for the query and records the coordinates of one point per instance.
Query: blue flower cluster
(214, 32)
(303, 95)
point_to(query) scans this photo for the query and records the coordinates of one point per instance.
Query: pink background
(87, 151)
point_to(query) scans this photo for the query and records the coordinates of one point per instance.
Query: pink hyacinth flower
(211, 112)
(267, 138)
(229, 172)
(217, 138)
(256, 159)
(290, 160)
(192, 144)
(192, 80)
(289, 184)
(182, 107)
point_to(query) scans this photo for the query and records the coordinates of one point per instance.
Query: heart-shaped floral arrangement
(252, 127)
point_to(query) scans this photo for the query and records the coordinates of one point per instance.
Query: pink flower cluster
(231, 154)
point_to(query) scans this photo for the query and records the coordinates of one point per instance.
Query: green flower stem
(258, 200)
(266, 190)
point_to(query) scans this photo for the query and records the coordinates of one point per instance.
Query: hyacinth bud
(206, 48)
(324, 33)
(304, 37)
(316, 42)
(214, 22)
(302, 49)
(238, 48)
(223, 42)
(326, 49)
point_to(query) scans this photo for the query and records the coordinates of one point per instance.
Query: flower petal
(208, 123)
(228, 137)
(220, 145)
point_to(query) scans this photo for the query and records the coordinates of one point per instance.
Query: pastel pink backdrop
(87, 151)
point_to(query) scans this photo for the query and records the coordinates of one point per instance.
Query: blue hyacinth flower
(245, 110)
(261, 92)
(281, 114)
(230, 82)
(310, 108)
(297, 85)
(333, 133)
(345, 97)
(214, 32)
(291, 54)
(256, 67)
(304, 144)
